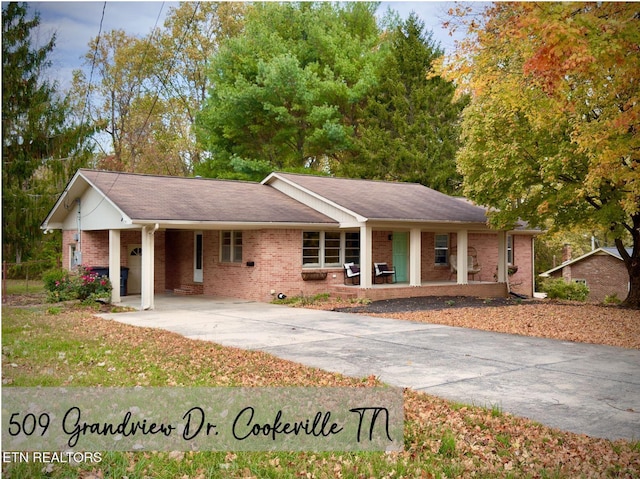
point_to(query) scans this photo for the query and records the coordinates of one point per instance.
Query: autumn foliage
(551, 133)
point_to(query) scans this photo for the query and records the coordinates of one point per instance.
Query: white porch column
(415, 257)
(366, 253)
(148, 273)
(114, 264)
(463, 261)
(502, 256)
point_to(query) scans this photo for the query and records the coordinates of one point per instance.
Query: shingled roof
(165, 198)
(384, 200)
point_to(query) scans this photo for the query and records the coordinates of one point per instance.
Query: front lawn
(64, 345)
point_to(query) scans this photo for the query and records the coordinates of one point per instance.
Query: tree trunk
(633, 298)
(632, 262)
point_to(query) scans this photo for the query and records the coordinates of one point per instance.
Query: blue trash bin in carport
(124, 276)
(100, 270)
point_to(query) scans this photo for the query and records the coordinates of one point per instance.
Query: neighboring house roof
(604, 250)
(164, 198)
(386, 201)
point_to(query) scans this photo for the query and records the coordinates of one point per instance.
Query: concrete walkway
(583, 388)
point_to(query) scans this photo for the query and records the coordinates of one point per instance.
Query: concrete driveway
(583, 388)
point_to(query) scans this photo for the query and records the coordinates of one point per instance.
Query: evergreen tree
(40, 148)
(411, 126)
(286, 91)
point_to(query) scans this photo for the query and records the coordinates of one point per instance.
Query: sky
(76, 23)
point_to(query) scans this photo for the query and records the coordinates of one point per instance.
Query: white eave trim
(236, 225)
(572, 261)
(125, 218)
(268, 180)
(47, 226)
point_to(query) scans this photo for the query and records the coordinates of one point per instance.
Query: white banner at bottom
(202, 419)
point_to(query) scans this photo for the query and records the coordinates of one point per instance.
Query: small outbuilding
(602, 270)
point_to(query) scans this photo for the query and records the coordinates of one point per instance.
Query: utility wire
(106, 194)
(148, 45)
(93, 66)
(155, 99)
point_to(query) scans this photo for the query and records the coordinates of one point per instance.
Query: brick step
(344, 293)
(189, 290)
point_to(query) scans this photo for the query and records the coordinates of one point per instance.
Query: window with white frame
(352, 248)
(441, 249)
(322, 249)
(509, 249)
(231, 247)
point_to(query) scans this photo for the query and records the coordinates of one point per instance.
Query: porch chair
(351, 272)
(382, 271)
(473, 267)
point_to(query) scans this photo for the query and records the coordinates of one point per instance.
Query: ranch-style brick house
(290, 234)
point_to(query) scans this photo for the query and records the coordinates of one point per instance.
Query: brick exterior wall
(522, 282)
(430, 271)
(484, 290)
(604, 274)
(95, 250)
(277, 262)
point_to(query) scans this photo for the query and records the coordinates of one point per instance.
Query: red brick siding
(486, 246)
(95, 250)
(179, 258)
(381, 247)
(67, 240)
(605, 275)
(277, 257)
(429, 270)
(481, 290)
(95, 246)
(522, 281)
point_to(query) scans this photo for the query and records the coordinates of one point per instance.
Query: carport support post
(114, 264)
(463, 261)
(148, 247)
(415, 253)
(366, 247)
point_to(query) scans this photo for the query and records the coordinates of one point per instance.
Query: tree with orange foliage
(551, 132)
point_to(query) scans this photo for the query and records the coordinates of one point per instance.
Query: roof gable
(152, 198)
(612, 251)
(383, 200)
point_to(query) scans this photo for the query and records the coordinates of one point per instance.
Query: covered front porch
(434, 256)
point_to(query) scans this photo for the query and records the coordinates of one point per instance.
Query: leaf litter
(441, 437)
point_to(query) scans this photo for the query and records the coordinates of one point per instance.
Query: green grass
(23, 286)
(448, 444)
(62, 345)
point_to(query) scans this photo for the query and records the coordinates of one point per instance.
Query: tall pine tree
(40, 148)
(410, 127)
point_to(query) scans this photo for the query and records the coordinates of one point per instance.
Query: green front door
(400, 254)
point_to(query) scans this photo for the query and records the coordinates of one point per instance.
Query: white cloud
(76, 23)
